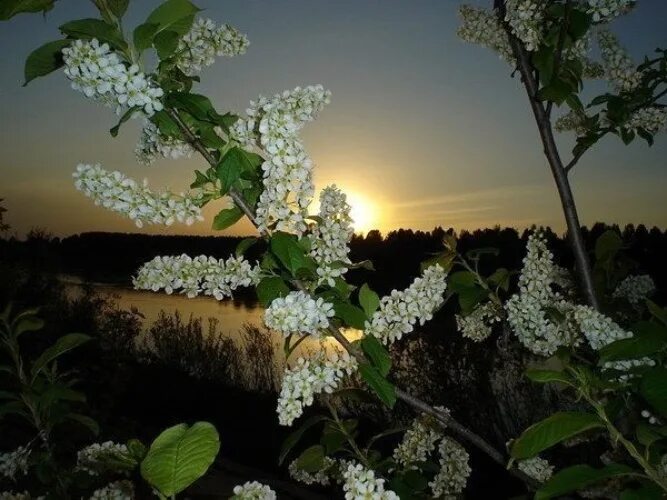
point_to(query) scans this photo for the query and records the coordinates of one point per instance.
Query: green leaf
(10, 8)
(647, 491)
(579, 23)
(86, 421)
(377, 353)
(14, 408)
(143, 36)
(444, 260)
(227, 217)
(546, 376)
(44, 60)
(179, 456)
(271, 288)
(470, 297)
(60, 393)
(292, 440)
(461, 280)
(166, 43)
(607, 246)
(232, 165)
(87, 29)
(333, 437)
(552, 430)
(312, 459)
(118, 7)
(244, 244)
(8, 395)
(646, 435)
(290, 253)
(64, 344)
(578, 477)
(648, 338)
(174, 15)
(385, 391)
(351, 315)
(28, 324)
(137, 449)
(368, 300)
(556, 91)
(653, 387)
(126, 116)
(500, 278)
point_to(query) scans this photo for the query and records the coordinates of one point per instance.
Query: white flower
(481, 26)
(526, 18)
(214, 277)
(153, 145)
(635, 289)
(478, 325)
(330, 236)
(619, 68)
(119, 193)
(652, 419)
(118, 490)
(11, 495)
(14, 462)
(605, 10)
(598, 329)
(537, 468)
(320, 477)
(298, 312)
(253, 490)
(308, 378)
(361, 484)
(99, 73)
(417, 444)
(574, 121)
(400, 311)
(531, 312)
(93, 458)
(454, 469)
(204, 41)
(651, 119)
(273, 125)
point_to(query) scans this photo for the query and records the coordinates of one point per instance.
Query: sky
(423, 129)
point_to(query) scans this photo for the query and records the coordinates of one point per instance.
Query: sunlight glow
(364, 212)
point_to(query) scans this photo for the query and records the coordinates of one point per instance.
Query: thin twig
(553, 157)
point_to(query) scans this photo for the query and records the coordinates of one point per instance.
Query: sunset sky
(423, 129)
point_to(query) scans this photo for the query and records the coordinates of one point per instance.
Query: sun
(363, 211)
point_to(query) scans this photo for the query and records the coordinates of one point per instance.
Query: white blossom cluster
(214, 277)
(625, 365)
(619, 68)
(598, 329)
(400, 311)
(481, 26)
(331, 235)
(253, 490)
(361, 483)
(153, 145)
(417, 443)
(652, 419)
(115, 191)
(527, 311)
(99, 73)
(635, 289)
(605, 10)
(118, 490)
(572, 121)
(652, 119)
(526, 18)
(478, 325)
(14, 462)
(320, 477)
(537, 468)
(308, 378)
(298, 312)
(454, 469)
(12, 495)
(92, 458)
(273, 125)
(199, 47)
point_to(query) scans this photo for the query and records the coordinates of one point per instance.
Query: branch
(553, 157)
(445, 420)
